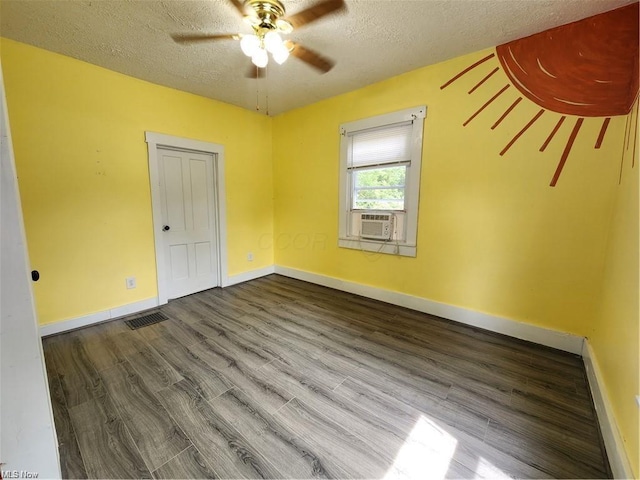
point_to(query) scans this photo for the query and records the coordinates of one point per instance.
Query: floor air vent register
(145, 320)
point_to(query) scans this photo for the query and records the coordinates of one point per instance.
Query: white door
(189, 221)
(28, 435)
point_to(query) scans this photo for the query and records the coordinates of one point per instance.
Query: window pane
(379, 199)
(381, 177)
(379, 188)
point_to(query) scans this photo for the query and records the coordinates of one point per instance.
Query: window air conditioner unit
(376, 226)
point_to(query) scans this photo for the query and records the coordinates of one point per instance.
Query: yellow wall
(493, 236)
(614, 335)
(78, 133)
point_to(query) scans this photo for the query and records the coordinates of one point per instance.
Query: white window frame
(408, 246)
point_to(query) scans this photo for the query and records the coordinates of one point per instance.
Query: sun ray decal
(603, 131)
(506, 112)
(487, 77)
(519, 134)
(468, 69)
(635, 139)
(567, 150)
(552, 134)
(489, 102)
(586, 69)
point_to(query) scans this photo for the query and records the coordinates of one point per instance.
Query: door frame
(159, 140)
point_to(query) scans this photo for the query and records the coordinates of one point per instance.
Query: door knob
(166, 228)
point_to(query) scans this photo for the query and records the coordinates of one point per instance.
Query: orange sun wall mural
(584, 69)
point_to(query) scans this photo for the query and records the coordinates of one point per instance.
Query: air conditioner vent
(376, 226)
(369, 216)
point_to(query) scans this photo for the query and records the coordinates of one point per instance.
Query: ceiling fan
(269, 23)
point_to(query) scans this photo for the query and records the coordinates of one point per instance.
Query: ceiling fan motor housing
(267, 11)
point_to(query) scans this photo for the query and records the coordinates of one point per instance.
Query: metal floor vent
(150, 319)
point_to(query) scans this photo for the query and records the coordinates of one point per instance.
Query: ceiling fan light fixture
(284, 26)
(250, 44)
(260, 58)
(272, 41)
(281, 54)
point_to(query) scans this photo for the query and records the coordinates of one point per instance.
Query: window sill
(389, 248)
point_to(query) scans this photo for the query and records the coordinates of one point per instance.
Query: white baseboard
(250, 275)
(85, 320)
(613, 443)
(540, 335)
(123, 310)
(552, 338)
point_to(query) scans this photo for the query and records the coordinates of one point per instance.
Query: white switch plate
(131, 282)
(638, 400)
(250, 256)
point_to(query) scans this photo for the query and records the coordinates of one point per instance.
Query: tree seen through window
(379, 188)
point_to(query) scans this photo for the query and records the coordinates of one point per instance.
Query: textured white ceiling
(371, 41)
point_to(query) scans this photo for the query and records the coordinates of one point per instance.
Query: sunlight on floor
(485, 469)
(426, 453)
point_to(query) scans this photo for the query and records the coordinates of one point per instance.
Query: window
(380, 161)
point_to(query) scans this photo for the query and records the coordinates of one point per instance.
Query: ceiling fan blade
(310, 57)
(239, 5)
(312, 14)
(194, 38)
(255, 72)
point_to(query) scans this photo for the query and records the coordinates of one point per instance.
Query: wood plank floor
(278, 378)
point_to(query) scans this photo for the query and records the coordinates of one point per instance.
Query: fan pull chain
(266, 86)
(257, 90)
